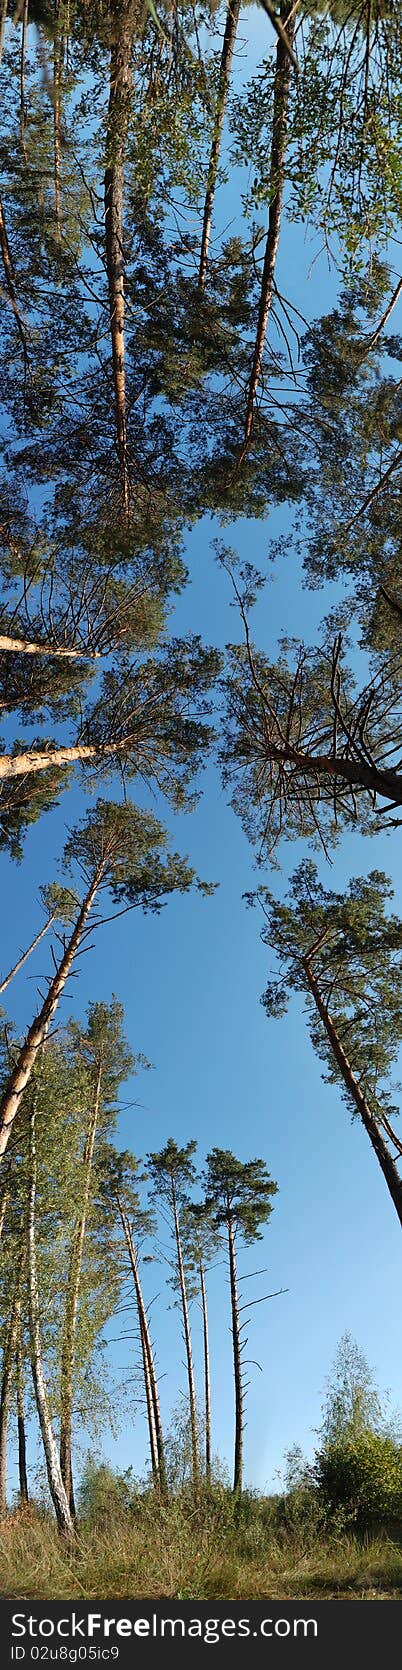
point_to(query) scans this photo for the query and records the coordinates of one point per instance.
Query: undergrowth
(218, 1550)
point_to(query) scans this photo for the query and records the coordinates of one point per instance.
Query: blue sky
(191, 981)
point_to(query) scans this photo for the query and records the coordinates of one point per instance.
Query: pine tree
(200, 1241)
(118, 851)
(237, 1198)
(343, 952)
(173, 1172)
(306, 751)
(138, 1223)
(101, 1050)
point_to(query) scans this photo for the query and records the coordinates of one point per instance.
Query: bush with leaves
(361, 1473)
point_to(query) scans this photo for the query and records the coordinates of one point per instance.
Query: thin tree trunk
(187, 1338)
(36, 1035)
(277, 180)
(238, 1457)
(26, 954)
(150, 1409)
(6, 1378)
(145, 1361)
(57, 66)
(207, 1376)
(71, 1309)
(120, 85)
(229, 39)
(381, 1150)
(58, 652)
(3, 1209)
(56, 1486)
(9, 277)
(276, 21)
(156, 1443)
(3, 20)
(22, 1448)
(23, 107)
(380, 484)
(381, 324)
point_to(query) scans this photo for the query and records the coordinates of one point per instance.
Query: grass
(173, 1552)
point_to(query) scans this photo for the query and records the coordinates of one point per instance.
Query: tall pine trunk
(71, 1308)
(24, 1067)
(26, 764)
(277, 180)
(229, 39)
(207, 1374)
(187, 1340)
(238, 1456)
(56, 1486)
(120, 85)
(156, 1442)
(22, 1447)
(381, 1150)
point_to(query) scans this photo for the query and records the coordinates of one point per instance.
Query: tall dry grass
(175, 1552)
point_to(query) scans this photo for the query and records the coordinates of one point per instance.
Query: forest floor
(168, 1555)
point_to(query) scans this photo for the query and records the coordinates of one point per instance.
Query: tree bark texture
(58, 652)
(23, 765)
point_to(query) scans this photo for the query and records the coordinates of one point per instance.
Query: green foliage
(358, 1467)
(105, 1495)
(362, 1474)
(129, 849)
(238, 1192)
(352, 1404)
(344, 161)
(357, 963)
(173, 1165)
(176, 1551)
(292, 755)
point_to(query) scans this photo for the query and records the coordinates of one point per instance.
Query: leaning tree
(119, 853)
(343, 951)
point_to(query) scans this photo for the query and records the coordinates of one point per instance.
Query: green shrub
(361, 1472)
(105, 1495)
